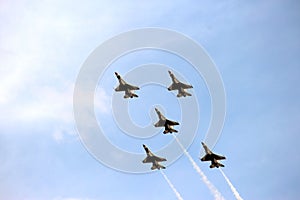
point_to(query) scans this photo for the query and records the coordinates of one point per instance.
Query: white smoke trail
(234, 191)
(172, 186)
(210, 186)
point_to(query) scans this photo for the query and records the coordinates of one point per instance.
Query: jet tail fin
(188, 94)
(134, 95)
(216, 165)
(157, 166)
(183, 94)
(170, 131)
(131, 95)
(179, 95)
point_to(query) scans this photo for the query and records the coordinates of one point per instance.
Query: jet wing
(172, 123)
(172, 87)
(161, 117)
(149, 157)
(218, 157)
(119, 88)
(185, 86)
(159, 159)
(131, 87)
(207, 157)
(147, 160)
(160, 123)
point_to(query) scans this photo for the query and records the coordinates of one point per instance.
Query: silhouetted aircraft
(177, 85)
(163, 121)
(151, 158)
(210, 156)
(123, 86)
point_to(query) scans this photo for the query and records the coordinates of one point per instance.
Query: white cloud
(39, 61)
(41, 50)
(58, 136)
(45, 102)
(102, 101)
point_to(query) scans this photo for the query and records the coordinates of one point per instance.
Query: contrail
(210, 186)
(234, 191)
(172, 186)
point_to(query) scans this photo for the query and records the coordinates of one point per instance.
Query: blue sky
(43, 44)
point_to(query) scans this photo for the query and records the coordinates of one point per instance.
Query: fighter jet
(163, 121)
(177, 85)
(210, 156)
(151, 158)
(126, 87)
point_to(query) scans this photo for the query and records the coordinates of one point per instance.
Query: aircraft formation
(167, 123)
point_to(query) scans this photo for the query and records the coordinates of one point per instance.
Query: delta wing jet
(210, 156)
(123, 86)
(151, 158)
(163, 121)
(177, 85)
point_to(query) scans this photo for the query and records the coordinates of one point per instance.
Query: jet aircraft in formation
(177, 85)
(151, 158)
(123, 86)
(210, 156)
(166, 123)
(163, 121)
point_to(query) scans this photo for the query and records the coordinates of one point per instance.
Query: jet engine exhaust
(234, 191)
(217, 195)
(171, 186)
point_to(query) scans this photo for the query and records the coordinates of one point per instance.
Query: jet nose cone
(144, 146)
(118, 76)
(169, 72)
(202, 143)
